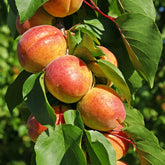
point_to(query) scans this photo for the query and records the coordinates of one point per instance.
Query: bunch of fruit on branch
(75, 83)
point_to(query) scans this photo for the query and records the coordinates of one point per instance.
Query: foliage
(150, 102)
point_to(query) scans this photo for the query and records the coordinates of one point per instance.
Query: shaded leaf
(11, 18)
(35, 98)
(143, 43)
(13, 95)
(113, 74)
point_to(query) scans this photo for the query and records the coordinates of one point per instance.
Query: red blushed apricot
(35, 128)
(39, 18)
(62, 8)
(68, 78)
(120, 145)
(40, 45)
(101, 108)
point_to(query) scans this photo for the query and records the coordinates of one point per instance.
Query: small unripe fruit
(39, 18)
(68, 78)
(101, 108)
(120, 145)
(62, 8)
(35, 128)
(40, 45)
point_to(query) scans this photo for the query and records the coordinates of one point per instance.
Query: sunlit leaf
(27, 9)
(145, 7)
(147, 145)
(113, 74)
(60, 146)
(99, 149)
(73, 117)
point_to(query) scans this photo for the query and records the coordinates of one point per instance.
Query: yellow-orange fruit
(101, 108)
(110, 57)
(39, 18)
(119, 144)
(121, 163)
(62, 8)
(68, 78)
(39, 45)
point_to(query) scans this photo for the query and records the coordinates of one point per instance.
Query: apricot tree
(91, 57)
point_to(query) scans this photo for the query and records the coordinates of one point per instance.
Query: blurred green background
(15, 146)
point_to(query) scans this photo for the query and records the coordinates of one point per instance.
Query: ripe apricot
(68, 78)
(39, 18)
(101, 108)
(62, 8)
(39, 45)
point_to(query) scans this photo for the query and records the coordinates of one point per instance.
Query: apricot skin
(101, 108)
(121, 163)
(35, 128)
(40, 45)
(39, 18)
(120, 145)
(62, 8)
(68, 78)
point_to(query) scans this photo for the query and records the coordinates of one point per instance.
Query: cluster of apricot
(43, 47)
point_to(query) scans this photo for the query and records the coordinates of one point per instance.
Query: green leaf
(145, 7)
(73, 41)
(13, 95)
(11, 19)
(143, 43)
(111, 39)
(87, 50)
(73, 137)
(61, 145)
(92, 27)
(73, 117)
(99, 149)
(130, 116)
(113, 74)
(35, 98)
(50, 147)
(147, 145)
(27, 9)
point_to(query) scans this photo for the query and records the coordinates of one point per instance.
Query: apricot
(39, 18)
(68, 78)
(101, 108)
(110, 57)
(39, 46)
(35, 128)
(121, 163)
(119, 144)
(62, 8)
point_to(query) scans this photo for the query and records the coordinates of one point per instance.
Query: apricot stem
(128, 140)
(94, 7)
